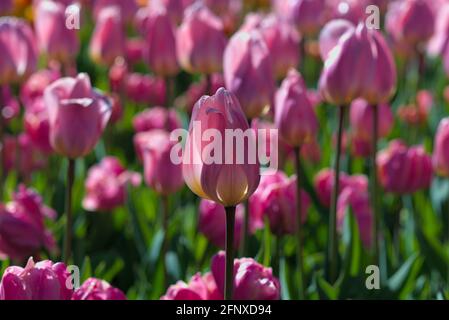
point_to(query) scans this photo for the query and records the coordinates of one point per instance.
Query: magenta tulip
(198, 288)
(307, 15)
(331, 34)
(155, 118)
(128, 9)
(198, 89)
(440, 156)
(97, 289)
(145, 89)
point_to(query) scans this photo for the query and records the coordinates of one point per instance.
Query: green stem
(243, 250)
(277, 255)
(165, 216)
(332, 231)
(229, 249)
(68, 211)
(373, 178)
(299, 231)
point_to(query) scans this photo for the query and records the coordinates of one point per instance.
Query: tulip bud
(108, 39)
(128, 9)
(307, 15)
(96, 289)
(55, 39)
(44, 280)
(18, 50)
(200, 41)
(294, 115)
(160, 172)
(155, 118)
(33, 88)
(331, 34)
(37, 126)
(440, 156)
(198, 288)
(350, 10)
(252, 281)
(159, 34)
(77, 114)
(215, 177)
(248, 72)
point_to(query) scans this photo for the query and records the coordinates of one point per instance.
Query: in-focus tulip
(77, 114)
(307, 15)
(248, 72)
(97, 289)
(200, 41)
(44, 280)
(159, 34)
(275, 198)
(215, 178)
(22, 229)
(18, 50)
(160, 172)
(403, 169)
(440, 156)
(294, 115)
(252, 281)
(108, 39)
(198, 288)
(155, 118)
(106, 185)
(55, 39)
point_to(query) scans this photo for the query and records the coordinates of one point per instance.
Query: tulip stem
(373, 179)
(68, 210)
(245, 237)
(299, 233)
(165, 210)
(332, 232)
(208, 90)
(229, 248)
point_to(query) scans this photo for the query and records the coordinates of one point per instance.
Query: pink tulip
(275, 198)
(225, 182)
(403, 169)
(96, 289)
(350, 10)
(160, 173)
(200, 41)
(55, 39)
(108, 38)
(18, 50)
(294, 115)
(228, 11)
(33, 89)
(417, 114)
(175, 8)
(155, 118)
(145, 89)
(22, 229)
(198, 89)
(307, 15)
(252, 281)
(248, 72)
(118, 73)
(159, 34)
(331, 34)
(437, 44)
(440, 156)
(134, 49)
(106, 185)
(37, 126)
(6, 7)
(358, 202)
(128, 9)
(9, 106)
(198, 288)
(77, 115)
(44, 280)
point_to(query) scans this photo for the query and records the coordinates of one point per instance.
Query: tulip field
(224, 150)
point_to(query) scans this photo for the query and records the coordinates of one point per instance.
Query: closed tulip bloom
(146, 89)
(55, 39)
(294, 115)
(106, 185)
(438, 42)
(108, 39)
(218, 178)
(198, 89)
(97, 289)
(33, 88)
(128, 9)
(307, 15)
(160, 173)
(411, 21)
(358, 202)
(175, 8)
(331, 34)
(9, 107)
(155, 118)
(350, 10)
(200, 41)
(22, 229)
(37, 126)
(44, 280)
(229, 11)
(440, 157)
(403, 169)
(248, 72)
(134, 48)
(252, 281)
(212, 222)
(199, 288)
(18, 50)
(77, 114)
(159, 34)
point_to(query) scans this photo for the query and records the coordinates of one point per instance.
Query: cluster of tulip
(233, 65)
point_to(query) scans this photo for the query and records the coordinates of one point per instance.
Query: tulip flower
(134, 48)
(77, 116)
(156, 118)
(350, 10)
(106, 185)
(331, 34)
(229, 11)
(200, 41)
(6, 7)
(44, 280)
(440, 157)
(128, 9)
(198, 288)
(252, 281)
(96, 289)
(37, 126)
(55, 39)
(221, 177)
(248, 72)
(22, 229)
(108, 39)
(33, 88)
(198, 89)
(145, 89)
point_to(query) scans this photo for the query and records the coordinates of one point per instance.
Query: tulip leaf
(326, 289)
(402, 282)
(353, 245)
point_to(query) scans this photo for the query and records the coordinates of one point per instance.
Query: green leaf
(404, 280)
(353, 245)
(327, 289)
